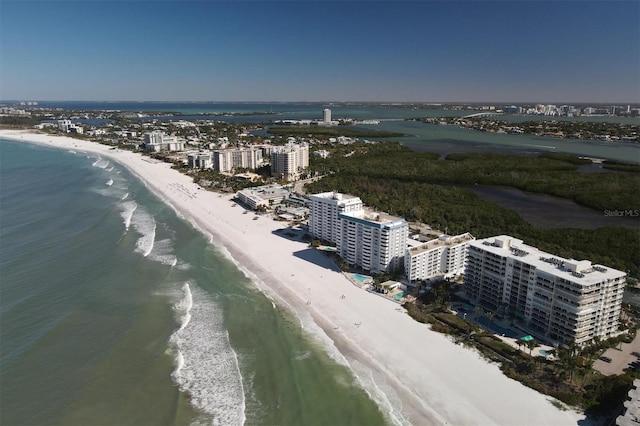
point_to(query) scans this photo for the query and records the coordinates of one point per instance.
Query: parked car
(605, 358)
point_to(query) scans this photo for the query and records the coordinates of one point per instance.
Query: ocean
(114, 310)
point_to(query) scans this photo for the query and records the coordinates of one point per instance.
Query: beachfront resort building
(373, 241)
(442, 257)
(290, 160)
(262, 196)
(555, 299)
(68, 127)
(227, 160)
(157, 141)
(199, 160)
(325, 209)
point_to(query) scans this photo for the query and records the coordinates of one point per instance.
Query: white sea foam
(206, 365)
(145, 225)
(179, 362)
(162, 251)
(304, 317)
(110, 169)
(128, 208)
(381, 393)
(302, 356)
(110, 182)
(125, 196)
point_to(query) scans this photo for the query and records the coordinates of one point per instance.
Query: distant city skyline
(359, 51)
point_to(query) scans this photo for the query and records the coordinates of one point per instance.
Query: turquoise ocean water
(113, 310)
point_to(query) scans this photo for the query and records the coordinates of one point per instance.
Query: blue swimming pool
(398, 296)
(360, 278)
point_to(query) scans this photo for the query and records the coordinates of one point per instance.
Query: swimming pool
(398, 296)
(360, 278)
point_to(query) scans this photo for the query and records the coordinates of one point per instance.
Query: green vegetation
(569, 378)
(331, 131)
(420, 187)
(619, 166)
(18, 121)
(553, 128)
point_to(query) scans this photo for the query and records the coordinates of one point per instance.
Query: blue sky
(432, 51)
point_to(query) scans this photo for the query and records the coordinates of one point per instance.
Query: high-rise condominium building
(326, 115)
(226, 160)
(290, 160)
(373, 241)
(441, 257)
(157, 141)
(556, 299)
(324, 211)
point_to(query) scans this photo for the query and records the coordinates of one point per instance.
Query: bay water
(114, 310)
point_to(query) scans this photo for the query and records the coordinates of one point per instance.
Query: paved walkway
(511, 341)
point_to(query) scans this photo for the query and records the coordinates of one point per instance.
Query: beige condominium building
(290, 160)
(557, 300)
(442, 257)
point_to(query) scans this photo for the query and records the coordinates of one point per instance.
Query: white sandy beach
(427, 379)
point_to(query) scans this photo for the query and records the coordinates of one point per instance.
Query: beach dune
(419, 376)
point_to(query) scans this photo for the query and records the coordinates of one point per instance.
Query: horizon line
(326, 102)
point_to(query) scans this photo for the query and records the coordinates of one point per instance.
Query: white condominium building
(199, 160)
(373, 241)
(324, 211)
(557, 299)
(229, 159)
(440, 257)
(157, 141)
(290, 160)
(326, 115)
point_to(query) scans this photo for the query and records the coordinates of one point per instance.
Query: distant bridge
(483, 114)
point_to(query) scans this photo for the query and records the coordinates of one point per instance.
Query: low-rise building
(262, 196)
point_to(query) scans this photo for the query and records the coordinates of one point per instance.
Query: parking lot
(620, 358)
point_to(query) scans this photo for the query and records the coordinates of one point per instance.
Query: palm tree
(478, 310)
(490, 317)
(531, 344)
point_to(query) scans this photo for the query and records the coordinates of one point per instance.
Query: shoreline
(400, 362)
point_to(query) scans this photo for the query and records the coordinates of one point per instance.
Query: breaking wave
(145, 225)
(206, 365)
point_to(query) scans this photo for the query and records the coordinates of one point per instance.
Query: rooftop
(580, 271)
(372, 216)
(442, 241)
(334, 195)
